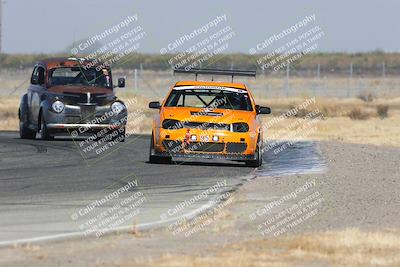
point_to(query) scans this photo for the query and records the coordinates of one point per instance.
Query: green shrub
(382, 111)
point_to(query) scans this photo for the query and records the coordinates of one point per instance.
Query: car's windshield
(80, 76)
(231, 98)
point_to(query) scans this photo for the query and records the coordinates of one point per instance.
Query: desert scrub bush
(382, 111)
(330, 109)
(366, 97)
(324, 107)
(357, 113)
(8, 114)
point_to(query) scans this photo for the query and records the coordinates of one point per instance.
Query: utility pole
(316, 87)
(135, 80)
(349, 87)
(1, 28)
(1, 25)
(287, 80)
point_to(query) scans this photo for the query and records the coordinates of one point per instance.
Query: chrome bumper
(82, 125)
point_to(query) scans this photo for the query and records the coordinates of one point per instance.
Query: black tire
(121, 135)
(44, 132)
(157, 159)
(24, 131)
(257, 162)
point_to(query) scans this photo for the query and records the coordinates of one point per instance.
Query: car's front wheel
(44, 131)
(257, 162)
(122, 134)
(155, 158)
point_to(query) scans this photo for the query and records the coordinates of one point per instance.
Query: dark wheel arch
(257, 162)
(155, 158)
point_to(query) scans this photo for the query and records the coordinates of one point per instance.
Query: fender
(43, 109)
(156, 127)
(45, 105)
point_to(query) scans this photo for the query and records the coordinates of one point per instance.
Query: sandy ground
(349, 217)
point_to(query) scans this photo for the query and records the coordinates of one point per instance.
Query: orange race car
(203, 119)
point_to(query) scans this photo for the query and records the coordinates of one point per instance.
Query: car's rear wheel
(25, 132)
(44, 131)
(155, 158)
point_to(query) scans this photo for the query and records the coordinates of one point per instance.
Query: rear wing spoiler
(232, 73)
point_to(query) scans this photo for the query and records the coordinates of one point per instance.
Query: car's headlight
(117, 107)
(171, 124)
(58, 106)
(240, 127)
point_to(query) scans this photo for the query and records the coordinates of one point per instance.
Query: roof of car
(207, 83)
(59, 61)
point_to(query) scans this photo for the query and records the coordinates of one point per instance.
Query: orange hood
(226, 116)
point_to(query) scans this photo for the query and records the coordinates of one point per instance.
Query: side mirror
(263, 110)
(121, 82)
(155, 104)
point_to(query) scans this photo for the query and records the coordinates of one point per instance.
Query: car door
(31, 90)
(35, 94)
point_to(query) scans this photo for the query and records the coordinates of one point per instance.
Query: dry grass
(373, 131)
(140, 118)
(358, 114)
(9, 113)
(331, 107)
(379, 127)
(341, 248)
(337, 123)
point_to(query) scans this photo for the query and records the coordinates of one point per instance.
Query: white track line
(140, 227)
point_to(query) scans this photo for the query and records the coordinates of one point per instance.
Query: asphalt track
(47, 188)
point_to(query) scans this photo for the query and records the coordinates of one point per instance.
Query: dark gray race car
(71, 96)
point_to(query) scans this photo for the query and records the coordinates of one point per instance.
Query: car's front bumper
(236, 157)
(75, 119)
(230, 145)
(82, 126)
(84, 114)
(83, 130)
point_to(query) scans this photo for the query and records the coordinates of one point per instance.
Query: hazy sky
(33, 26)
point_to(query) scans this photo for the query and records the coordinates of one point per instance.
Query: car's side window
(35, 76)
(41, 75)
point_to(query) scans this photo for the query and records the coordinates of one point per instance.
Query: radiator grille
(236, 147)
(172, 146)
(87, 113)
